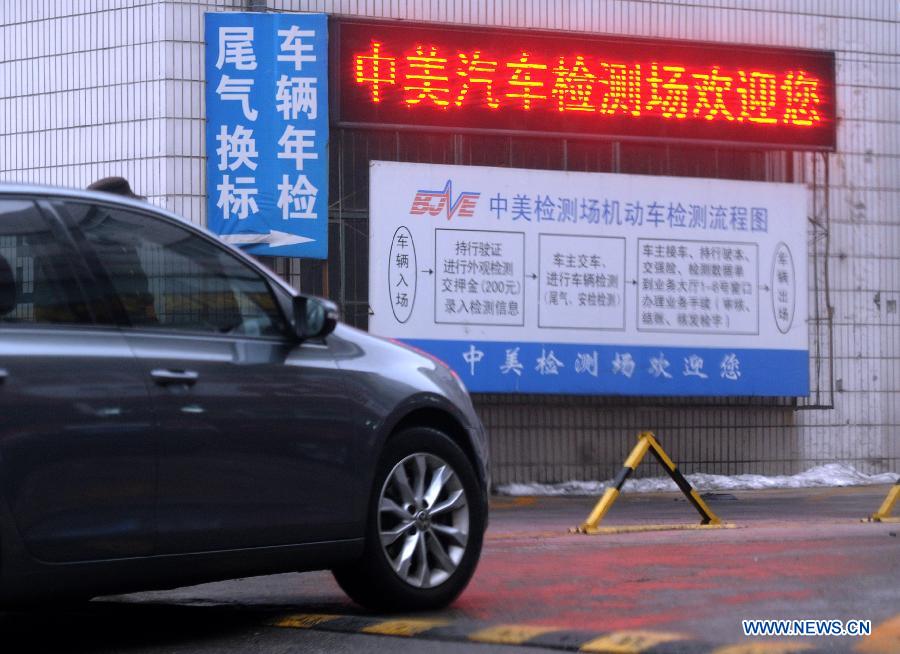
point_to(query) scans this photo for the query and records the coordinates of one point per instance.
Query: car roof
(7, 188)
(46, 191)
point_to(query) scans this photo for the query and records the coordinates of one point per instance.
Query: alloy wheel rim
(423, 520)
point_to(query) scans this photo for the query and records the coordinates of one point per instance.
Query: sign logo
(435, 202)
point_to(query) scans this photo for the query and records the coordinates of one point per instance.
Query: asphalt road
(790, 554)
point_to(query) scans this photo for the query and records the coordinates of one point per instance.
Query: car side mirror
(314, 317)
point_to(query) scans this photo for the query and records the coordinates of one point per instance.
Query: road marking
(630, 642)
(885, 638)
(777, 647)
(509, 634)
(633, 529)
(820, 495)
(525, 535)
(610, 530)
(304, 620)
(407, 628)
(512, 502)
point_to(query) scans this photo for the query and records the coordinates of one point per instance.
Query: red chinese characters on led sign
(670, 91)
(499, 80)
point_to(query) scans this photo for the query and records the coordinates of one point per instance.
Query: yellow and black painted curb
(647, 442)
(612, 642)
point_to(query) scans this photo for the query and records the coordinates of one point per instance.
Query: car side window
(37, 284)
(164, 276)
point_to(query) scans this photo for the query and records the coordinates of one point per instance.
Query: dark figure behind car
(115, 184)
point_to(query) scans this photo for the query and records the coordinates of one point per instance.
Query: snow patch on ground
(831, 474)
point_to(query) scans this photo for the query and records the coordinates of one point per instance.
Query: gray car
(172, 413)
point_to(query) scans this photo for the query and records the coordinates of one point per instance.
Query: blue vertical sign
(267, 132)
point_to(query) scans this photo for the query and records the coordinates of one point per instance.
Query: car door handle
(3, 375)
(165, 377)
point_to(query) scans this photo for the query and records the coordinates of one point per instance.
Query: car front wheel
(424, 529)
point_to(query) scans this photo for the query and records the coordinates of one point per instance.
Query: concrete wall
(96, 87)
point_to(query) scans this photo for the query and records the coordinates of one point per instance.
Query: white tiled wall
(90, 88)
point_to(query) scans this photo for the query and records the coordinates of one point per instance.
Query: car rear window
(36, 281)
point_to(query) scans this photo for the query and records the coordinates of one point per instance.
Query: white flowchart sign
(593, 283)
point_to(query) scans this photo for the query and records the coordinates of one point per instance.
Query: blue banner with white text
(267, 132)
(592, 369)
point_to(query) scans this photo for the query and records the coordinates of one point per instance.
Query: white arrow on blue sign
(273, 239)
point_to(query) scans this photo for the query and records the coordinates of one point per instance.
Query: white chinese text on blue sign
(267, 132)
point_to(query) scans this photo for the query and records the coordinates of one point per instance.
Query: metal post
(707, 517)
(611, 493)
(883, 514)
(646, 441)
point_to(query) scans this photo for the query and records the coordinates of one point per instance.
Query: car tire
(424, 529)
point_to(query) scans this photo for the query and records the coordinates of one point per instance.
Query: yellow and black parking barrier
(647, 442)
(883, 514)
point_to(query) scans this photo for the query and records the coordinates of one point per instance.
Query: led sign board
(418, 75)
